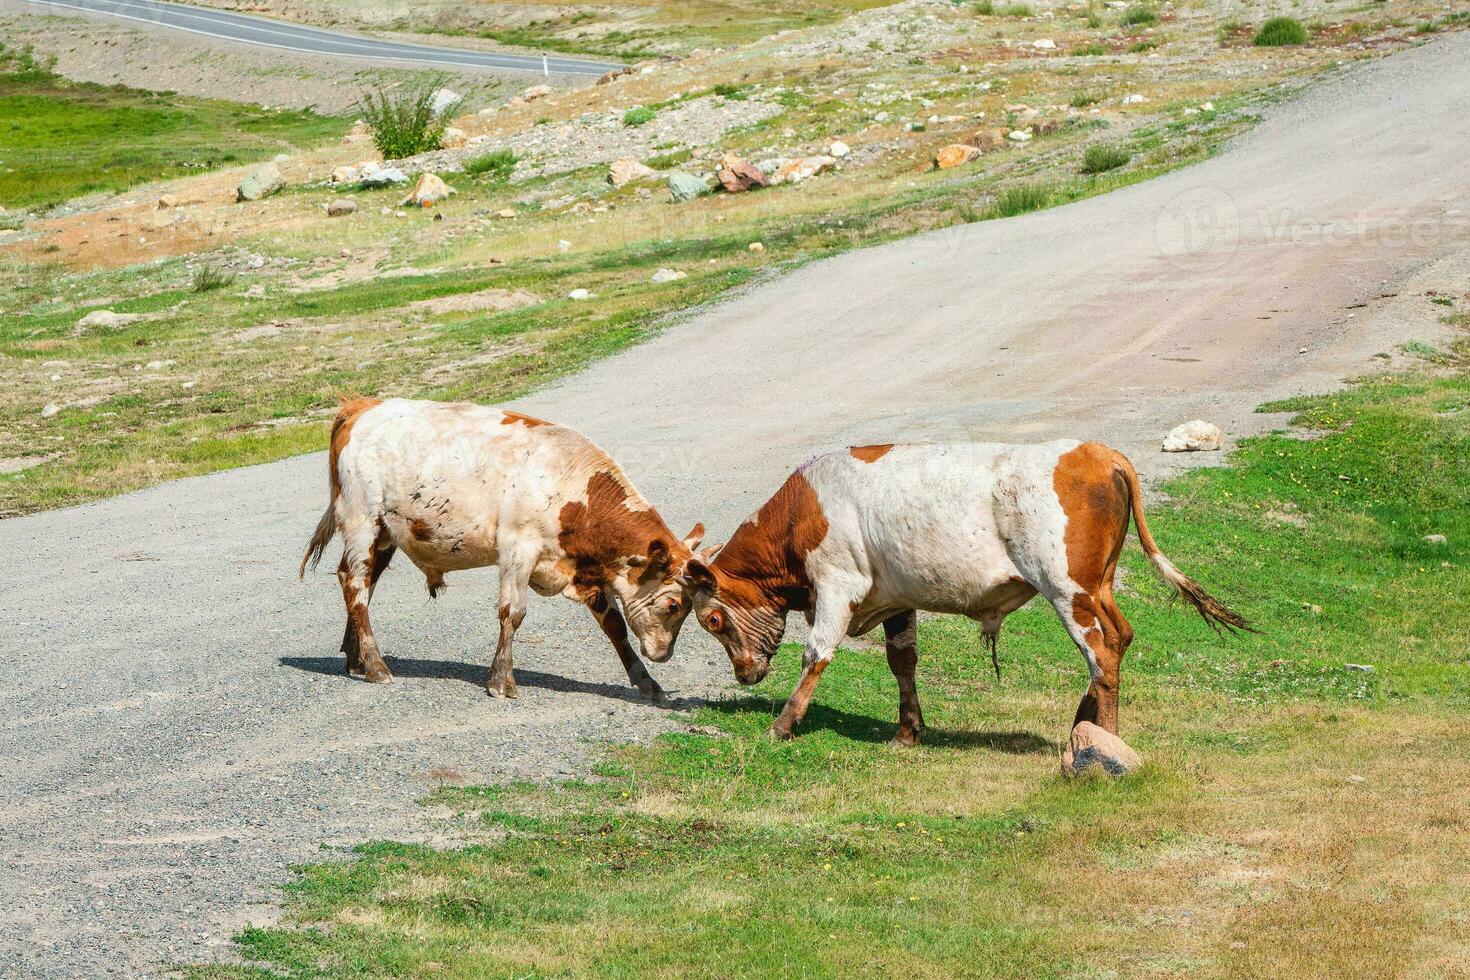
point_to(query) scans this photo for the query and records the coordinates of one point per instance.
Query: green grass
(1088, 50)
(1240, 850)
(1139, 16)
(639, 115)
(1102, 157)
(64, 139)
(209, 277)
(1280, 32)
(497, 165)
(1020, 199)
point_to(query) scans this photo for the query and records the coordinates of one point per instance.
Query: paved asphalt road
(176, 727)
(249, 29)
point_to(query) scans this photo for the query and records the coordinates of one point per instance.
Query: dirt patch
(491, 300)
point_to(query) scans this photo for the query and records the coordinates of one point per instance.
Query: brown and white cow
(873, 534)
(457, 486)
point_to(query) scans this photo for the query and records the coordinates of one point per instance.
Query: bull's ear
(658, 554)
(709, 551)
(696, 535)
(697, 575)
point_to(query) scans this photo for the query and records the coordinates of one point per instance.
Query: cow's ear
(708, 551)
(697, 575)
(658, 554)
(695, 535)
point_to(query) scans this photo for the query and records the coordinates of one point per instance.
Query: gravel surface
(177, 729)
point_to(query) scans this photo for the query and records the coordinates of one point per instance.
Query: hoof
(651, 691)
(778, 734)
(378, 677)
(905, 738)
(506, 689)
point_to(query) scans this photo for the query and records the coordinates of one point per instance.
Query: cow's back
(934, 521)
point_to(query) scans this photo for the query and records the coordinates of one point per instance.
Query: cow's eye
(671, 607)
(715, 622)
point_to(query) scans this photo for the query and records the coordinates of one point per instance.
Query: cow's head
(747, 619)
(655, 600)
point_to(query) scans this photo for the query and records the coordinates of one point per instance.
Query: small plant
(1230, 28)
(1016, 10)
(1089, 49)
(13, 220)
(638, 115)
(403, 121)
(985, 8)
(1139, 15)
(1428, 27)
(671, 159)
(209, 277)
(497, 165)
(1280, 32)
(1102, 157)
(1081, 100)
(1019, 200)
(1143, 46)
(735, 93)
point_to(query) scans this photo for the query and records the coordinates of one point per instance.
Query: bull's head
(654, 599)
(748, 622)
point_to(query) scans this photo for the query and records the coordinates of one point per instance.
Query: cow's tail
(326, 528)
(1214, 612)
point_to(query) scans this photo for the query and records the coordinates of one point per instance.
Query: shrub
(671, 159)
(1081, 100)
(638, 115)
(1016, 10)
(1143, 46)
(209, 277)
(496, 165)
(735, 93)
(985, 8)
(1019, 200)
(1139, 14)
(403, 120)
(1280, 31)
(1102, 157)
(1090, 49)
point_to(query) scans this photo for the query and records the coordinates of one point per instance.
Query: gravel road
(176, 725)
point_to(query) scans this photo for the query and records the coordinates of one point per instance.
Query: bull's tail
(326, 528)
(1214, 612)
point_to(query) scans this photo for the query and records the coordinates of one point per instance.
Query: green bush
(1139, 15)
(209, 277)
(496, 165)
(1102, 157)
(673, 158)
(735, 93)
(1081, 100)
(985, 8)
(638, 115)
(403, 120)
(1089, 49)
(1016, 10)
(1280, 31)
(1019, 200)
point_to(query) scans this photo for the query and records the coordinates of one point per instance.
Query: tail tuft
(325, 529)
(1220, 616)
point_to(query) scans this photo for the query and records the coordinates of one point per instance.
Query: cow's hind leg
(382, 554)
(357, 574)
(616, 628)
(901, 633)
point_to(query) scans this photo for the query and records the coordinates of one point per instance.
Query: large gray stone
(686, 187)
(261, 182)
(1091, 747)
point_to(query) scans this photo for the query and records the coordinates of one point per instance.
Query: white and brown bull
(456, 486)
(873, 534)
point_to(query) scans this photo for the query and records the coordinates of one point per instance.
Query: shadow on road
(458, 670)
(862, 728)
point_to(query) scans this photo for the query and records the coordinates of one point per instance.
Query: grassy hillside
(1298, 817)
(60, 139)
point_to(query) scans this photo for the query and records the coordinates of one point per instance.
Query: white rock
(1134, 99)
(1019, 135)
(384, 177)
(755, 247)
(563, 245)
(444, 101)
(1435, 539)
(1091, 747)
(341, 206)
(50, 410)
(881, 117)
(839, 149)
(1193, 437)
(579, 294)
(1207, 107)
(535, 92)
(107, 318)
(667, 275)
(1045, 44)
(345, 175)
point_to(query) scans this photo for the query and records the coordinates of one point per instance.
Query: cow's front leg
(829, 626)
(611, 620)
(901, 633)
(513, 584)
